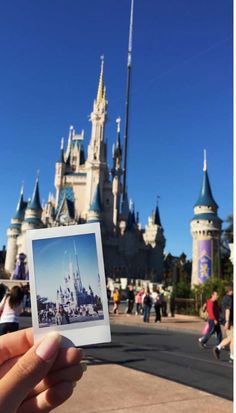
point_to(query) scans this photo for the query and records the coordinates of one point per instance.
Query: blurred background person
(10, 309)
(116, 301)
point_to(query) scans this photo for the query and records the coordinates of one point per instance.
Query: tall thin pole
(127, 98)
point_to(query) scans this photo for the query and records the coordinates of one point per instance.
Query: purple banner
(204, 260)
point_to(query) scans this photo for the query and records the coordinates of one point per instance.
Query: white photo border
(92, 332)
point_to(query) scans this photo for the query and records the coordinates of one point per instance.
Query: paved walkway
(117, 389)
(180, 322)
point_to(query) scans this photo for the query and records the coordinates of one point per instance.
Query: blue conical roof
(20, 209)
(205, 197)
(35, 200)
(96, 202)
(131, 219)
(157, 220)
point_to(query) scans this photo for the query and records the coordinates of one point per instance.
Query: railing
(187, 306)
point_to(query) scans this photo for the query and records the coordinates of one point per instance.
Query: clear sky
(181, 98)
(52, 258)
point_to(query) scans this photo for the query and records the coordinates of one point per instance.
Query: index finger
(15, 344)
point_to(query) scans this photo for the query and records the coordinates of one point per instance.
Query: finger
(73, 373)
(66, 357)
(49, 399)
(15, 344)
(29, 370)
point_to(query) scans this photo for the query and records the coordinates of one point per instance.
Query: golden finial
(100, 93)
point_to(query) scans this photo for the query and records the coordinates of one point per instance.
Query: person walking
(158, 306)
(138, 301)
(10, 309)
(147, 305)
(228, 323)
(164, 302)
(130, 299)
(116, 301)
(213, 311)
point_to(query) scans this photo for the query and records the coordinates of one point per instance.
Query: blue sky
(181, 98)
(51, 263)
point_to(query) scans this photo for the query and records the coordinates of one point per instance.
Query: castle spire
(157, 220)
(101, 88)
(20, 209)
(206, 198)
(61, 158)
(205, 161)
(35, 200)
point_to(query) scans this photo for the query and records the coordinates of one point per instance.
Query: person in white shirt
(10, 309)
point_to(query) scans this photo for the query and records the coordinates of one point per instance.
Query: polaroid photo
(67, 284)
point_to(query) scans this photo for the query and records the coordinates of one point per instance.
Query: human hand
(36, 378)
(215, 322)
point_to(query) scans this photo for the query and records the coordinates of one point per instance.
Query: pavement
(117, 389)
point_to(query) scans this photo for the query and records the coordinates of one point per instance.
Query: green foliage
(228, 234)
(203, 292)
(182, 289)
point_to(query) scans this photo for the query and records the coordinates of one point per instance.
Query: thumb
(28, 371)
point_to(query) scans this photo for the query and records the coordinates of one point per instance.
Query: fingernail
(84, 366)
(49, 346)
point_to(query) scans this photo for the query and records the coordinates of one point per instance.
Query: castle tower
(97, 169)
(154, 238)
(205, 230)
(60, 170)
(97, 146)
(13, 233)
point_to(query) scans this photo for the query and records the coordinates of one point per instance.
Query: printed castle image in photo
(71, 300)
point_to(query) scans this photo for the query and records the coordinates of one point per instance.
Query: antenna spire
(130, 33)
(127, 98)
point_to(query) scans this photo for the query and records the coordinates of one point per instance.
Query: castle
(86, 190)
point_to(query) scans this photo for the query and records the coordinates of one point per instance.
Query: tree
(228, 232)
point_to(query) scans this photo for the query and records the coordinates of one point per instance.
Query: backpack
(147, 300)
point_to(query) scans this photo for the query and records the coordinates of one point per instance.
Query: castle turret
(205, 230)
(97, 168)
(32, 219)
(95, 210)
(13, 233)
(154, 238)
(60, 170)
(97, 146)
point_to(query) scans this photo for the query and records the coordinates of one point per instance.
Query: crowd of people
(219, 318)
(44, 357)
(62, 315)
(143, 300)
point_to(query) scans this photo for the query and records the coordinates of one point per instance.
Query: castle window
(73, 168)
(74, 159)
